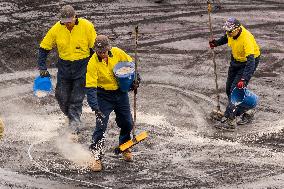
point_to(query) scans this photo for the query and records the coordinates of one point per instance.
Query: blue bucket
(244, 98)
(42, 85)
(124, 80)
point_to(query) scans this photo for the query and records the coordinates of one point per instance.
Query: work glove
(92, 100)
(241, 84)
(213, 43)
(44, 73)
(135, 84)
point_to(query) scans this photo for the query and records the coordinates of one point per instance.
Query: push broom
(216, 113)
(143, 135)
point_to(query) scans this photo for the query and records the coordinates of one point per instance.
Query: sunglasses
(232, 31)
(102, 52)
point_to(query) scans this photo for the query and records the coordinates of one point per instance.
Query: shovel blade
(217, 115)
(1, 129)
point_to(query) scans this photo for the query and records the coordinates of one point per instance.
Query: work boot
(97, 150)
(127, 155)
(96, 165)
(217, 115)
(74, 131)
(228, 124)
(96, 162)
(246, 118)
(74, 137)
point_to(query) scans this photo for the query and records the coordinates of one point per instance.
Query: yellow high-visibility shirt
(243, 46)
(100, 74)
(74, 45)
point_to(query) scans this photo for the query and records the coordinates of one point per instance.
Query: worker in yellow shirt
(105, 96)
(245, 56)
(74, 39)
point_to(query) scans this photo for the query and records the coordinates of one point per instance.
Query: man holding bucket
(105, 94)
(74, 39)
(245, 56)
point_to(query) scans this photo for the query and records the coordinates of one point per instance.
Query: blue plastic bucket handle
(42, 84)
(125, 81)
(244, 97)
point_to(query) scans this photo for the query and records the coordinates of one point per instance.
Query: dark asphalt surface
(174, 101)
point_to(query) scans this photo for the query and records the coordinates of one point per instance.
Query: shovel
(1, 129)
(216, 114)
(143, 135)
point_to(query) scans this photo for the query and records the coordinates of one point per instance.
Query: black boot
(228, 124)
(246, 118)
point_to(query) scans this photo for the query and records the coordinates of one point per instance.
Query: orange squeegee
(138, 138)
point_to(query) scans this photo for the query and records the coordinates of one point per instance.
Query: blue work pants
(118, 102)
(234, 76)
(70, 89)
(70, 95)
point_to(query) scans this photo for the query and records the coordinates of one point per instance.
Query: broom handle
(214, 56)
(135, 80)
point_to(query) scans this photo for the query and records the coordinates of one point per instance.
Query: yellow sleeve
(124, 57)
(92, 34)
(92, 73)
(48, 41)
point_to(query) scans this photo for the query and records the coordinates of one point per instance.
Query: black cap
(67, 14)
(102, 44)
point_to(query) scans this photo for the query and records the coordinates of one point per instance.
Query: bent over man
(245, 56)
(105, 96)
(74, 39)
